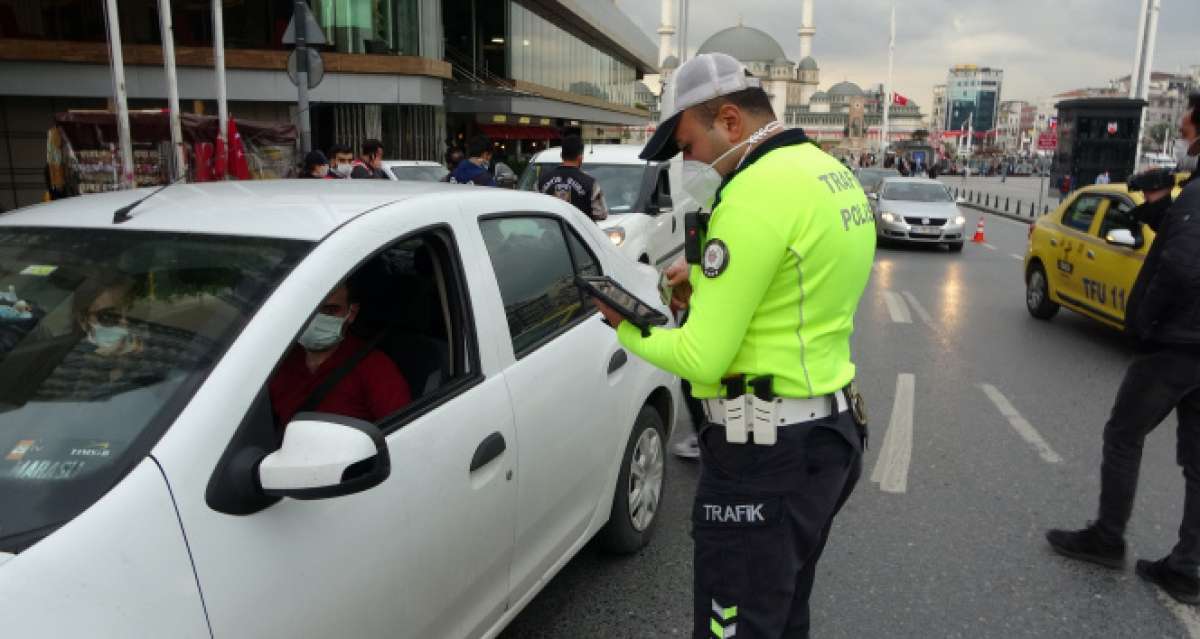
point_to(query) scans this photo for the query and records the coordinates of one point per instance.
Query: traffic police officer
(779, 268)
(568, 181)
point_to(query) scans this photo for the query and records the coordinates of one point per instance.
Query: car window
(621, 183)
(1120, 216)
(104, 336)
(535, 268)
(915, 192)
(418, 173)
(1081, 212)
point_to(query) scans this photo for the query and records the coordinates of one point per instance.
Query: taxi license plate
(929, 230)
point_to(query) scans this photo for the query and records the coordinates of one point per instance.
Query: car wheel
(956, 247)
(639, 486)
(1037, 294)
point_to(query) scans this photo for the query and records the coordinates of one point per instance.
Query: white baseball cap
(700, 79)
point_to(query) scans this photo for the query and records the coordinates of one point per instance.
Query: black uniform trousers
(760, 521)
(1155, 384)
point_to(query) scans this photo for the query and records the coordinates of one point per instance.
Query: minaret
(806, 31)
(666, 30)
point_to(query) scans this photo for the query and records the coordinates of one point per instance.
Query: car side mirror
(873, 196)
(325, 456)
(662, 204)
(1121, 237)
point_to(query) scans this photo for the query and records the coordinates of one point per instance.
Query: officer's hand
(677, 275)
(613, 318)
(1154, 196)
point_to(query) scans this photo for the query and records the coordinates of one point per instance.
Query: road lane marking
(986, 245)
(891, 468)
(896, 308)
(1023, 428)
(1017, 257)
(920, 310)
(1187, 615)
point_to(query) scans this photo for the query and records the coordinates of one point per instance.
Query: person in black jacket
(568, 182)
(1163, 314)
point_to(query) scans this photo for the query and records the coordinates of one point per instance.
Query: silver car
(917, 210)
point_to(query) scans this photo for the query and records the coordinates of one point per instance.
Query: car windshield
(104, 335)
(871, 178)
(621, 183)
(915, 192)
(418, 173)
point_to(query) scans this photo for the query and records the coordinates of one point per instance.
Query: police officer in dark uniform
(1164, 316)
(776, 274)
(568, 181)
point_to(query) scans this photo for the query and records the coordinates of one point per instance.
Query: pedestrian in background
(1163, 314)
(342, 161)
(474, 170)
(568, 182)
(1103, 178)
(316, 166)
(370, 164)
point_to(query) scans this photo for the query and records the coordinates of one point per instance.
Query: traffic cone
(978, 239)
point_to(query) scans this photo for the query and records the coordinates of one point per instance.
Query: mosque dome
(745, 44)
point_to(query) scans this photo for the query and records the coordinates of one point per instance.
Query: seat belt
(340, 373)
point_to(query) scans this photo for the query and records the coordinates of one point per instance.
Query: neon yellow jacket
(801, 240)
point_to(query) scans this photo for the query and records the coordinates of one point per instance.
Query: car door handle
(490, 449)
(618, 360)
(1091, 254)
(1053, 242)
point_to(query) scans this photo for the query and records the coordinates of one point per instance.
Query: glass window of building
(543, 53)
(371, 26)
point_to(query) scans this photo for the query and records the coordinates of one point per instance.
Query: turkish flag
(238, 167)
(899, 100)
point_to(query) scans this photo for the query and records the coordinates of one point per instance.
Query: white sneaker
(689, 448)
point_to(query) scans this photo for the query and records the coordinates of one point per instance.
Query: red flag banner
(899, 100)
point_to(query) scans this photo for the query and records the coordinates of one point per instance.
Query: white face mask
(107, 337)
(322, 333)
(343, 170)
(701, 180)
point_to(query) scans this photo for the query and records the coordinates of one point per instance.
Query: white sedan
(149, 487)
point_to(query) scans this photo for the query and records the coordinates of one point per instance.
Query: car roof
(293, 209)
(872, 169)
(596, 154)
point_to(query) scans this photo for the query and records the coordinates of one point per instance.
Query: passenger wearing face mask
(776, 275)
(370, 387)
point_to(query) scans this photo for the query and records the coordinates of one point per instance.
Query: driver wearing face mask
(370, 389)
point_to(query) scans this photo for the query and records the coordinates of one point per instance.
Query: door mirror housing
(663, 204)
(323, 456)
(1121, 237)
(873, 196)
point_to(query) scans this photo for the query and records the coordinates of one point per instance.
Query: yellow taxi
(1086, 255)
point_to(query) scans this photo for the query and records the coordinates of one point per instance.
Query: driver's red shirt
(372, 391)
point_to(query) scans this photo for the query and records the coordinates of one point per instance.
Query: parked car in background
(645, 202)
(149, 489)
(917, 210)
(415, 170)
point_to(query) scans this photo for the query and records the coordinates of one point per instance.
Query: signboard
(313, 34)
(1047, 141)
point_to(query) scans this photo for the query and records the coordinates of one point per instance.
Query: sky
(1044, 46)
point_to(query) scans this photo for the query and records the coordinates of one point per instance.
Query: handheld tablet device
(637, 312)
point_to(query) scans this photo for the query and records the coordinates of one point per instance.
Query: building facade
(973, 96)
(416, 74)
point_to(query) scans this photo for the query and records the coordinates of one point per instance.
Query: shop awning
(519, 132)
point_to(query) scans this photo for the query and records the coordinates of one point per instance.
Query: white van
(646, 203)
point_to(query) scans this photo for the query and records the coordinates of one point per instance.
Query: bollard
(1045, 209)
(1006, 205)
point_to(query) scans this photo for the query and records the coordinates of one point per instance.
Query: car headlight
(960, 220)
(616, 235)
(887, 217)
